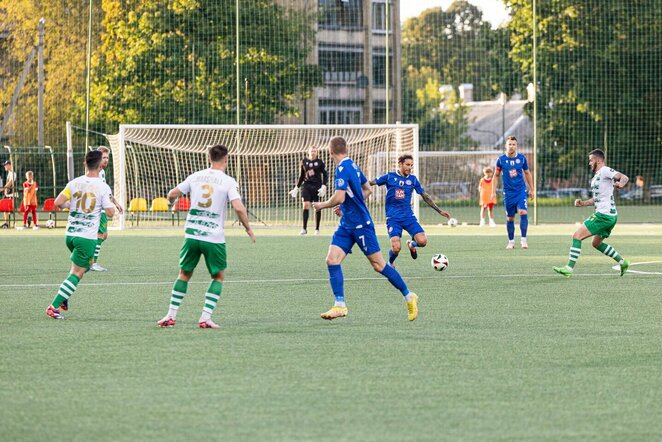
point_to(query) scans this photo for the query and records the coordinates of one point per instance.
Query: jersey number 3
(206, 195)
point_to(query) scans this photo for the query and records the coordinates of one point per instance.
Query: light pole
(503, 99)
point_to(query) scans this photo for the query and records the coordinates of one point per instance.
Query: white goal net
(149, 160)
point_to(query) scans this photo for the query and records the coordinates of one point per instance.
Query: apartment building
(351, 48)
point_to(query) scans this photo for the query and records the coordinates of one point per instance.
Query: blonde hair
(29, 173)
(103, 149)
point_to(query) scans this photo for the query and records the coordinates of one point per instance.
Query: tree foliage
(174, 62)
(598, 67)
(64, 65)
(454, 46)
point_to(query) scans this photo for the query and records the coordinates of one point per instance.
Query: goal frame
(119, 155)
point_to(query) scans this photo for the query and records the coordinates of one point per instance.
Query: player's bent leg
(421, 239)
(334, 259)
(394, 251)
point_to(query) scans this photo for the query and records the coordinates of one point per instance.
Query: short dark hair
(93, 159)
(217, 152)
(338, 145)
(598, 153)
(405, 157)
(511, 137)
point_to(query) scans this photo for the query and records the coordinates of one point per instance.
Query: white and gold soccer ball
(50, 223)
(452, 222)
(439, 262)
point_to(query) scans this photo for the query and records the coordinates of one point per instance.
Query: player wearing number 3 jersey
(86, 197)
(210, 191)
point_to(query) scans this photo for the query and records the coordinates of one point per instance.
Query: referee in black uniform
(312, 181)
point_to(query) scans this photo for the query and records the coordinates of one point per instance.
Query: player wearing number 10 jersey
(86, 197)
(210, 191)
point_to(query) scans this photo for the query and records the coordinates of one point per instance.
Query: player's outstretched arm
(174, 194)
(580, 203)
(367, 191)
(372, 182)
(495, 182)
(117, 204)
(428, 200)
(242, 214)
(620, 180)
(336, 199)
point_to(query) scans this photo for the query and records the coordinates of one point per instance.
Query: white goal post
(149, 160)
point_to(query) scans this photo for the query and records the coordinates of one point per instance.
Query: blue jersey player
(356, 227)
(400, 187)
(516, 179)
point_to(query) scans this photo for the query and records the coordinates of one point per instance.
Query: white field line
(322, 280)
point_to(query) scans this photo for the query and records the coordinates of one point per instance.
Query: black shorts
(309, 193)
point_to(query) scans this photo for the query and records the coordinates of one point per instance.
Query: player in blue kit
(400, 187)
(516, 179)
(356, 227)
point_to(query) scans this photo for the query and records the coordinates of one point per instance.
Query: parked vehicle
(638, 193)
(565, 192)
(449, 190)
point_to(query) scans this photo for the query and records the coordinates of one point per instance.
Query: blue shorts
(394, 227)
(515, 203)
(365, 237)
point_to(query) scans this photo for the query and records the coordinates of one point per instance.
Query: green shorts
(215, 255)
(600, 224)
(82, 250)
(103, 225)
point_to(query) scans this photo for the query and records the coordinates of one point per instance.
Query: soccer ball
(439, 262)
(50, 223)
(452, 222)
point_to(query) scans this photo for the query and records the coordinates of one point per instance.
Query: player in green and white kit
(210, 191)
(600, 224)
(87, 197)
(103, 225)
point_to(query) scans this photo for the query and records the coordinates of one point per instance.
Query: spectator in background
(30, 188)
(487, 198)
(9, 188)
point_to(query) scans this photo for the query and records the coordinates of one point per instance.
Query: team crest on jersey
(408, 182)
(399, 194)
(340, 182)
(401, 183)
(517, 161)
(512, 163)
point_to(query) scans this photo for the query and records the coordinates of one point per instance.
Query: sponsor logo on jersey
(399, 194)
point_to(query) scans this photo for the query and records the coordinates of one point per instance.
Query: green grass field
(503, 349)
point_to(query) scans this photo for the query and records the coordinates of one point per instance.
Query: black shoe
(412, 250)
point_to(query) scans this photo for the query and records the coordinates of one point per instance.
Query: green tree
(174, 62)
(598, 66)
(64, 65)
(455, 46)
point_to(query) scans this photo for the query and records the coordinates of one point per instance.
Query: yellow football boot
(334, 312)
(412, 307)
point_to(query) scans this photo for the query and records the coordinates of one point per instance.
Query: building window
(341, 14)
(379, 70)
(379, 16)
(340, 116)
(341, 65)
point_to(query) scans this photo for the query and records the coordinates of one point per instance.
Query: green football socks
(177, 296)
(211, 299)
(67, 288)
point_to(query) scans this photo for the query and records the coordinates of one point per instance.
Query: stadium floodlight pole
(535, 125)
(40, 81)
(388, 28)
(87, 79)
(237, 61)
